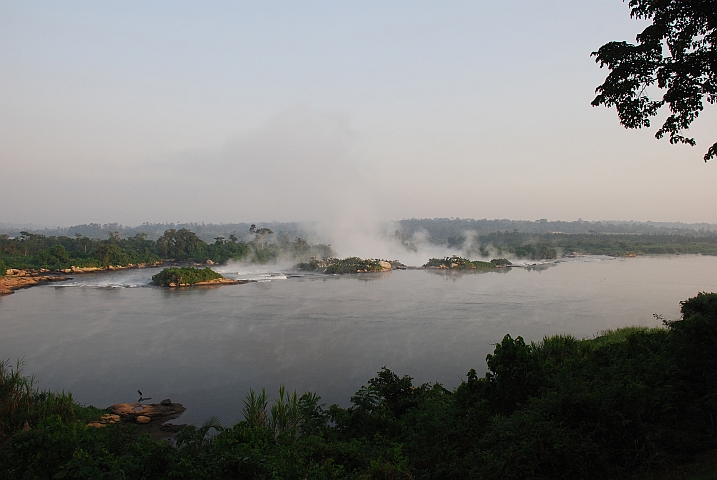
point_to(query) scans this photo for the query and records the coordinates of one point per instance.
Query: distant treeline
(205, 231)
(629, 402)
(541, 239)
(440, 230)
(35, 251)
(551, 245)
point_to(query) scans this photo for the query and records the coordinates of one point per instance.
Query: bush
(175, 276)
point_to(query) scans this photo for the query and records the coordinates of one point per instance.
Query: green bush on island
(175, 276)
(501, 262)
(631, 402)
(459, 263)
(3, 268)
(340, 265)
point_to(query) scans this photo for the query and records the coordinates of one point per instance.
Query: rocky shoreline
(10, 283)
(150, 419)
(16, 279)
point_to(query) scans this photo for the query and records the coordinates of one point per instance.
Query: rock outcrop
(150, 419)
(156, 412)
(385, 266)
(16, 281)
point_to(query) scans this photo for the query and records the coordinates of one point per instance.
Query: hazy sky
(138, 112)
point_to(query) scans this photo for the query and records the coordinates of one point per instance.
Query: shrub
(175, 276)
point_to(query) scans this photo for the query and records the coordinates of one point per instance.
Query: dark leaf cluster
(677, 54)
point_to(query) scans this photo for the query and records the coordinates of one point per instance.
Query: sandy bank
(11, 283)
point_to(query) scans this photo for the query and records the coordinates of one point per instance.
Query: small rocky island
(152, 419)
(459, 263)
(334, 266)
(187, 276)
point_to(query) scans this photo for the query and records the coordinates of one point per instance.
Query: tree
(687, 73)
(182, 244)
(261, 234)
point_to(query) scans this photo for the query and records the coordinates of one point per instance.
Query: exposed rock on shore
(111, 268)
(12, 282)
(151, 419)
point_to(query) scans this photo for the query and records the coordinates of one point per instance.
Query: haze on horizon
(162, 111)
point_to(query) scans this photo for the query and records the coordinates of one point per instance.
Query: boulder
(109, 418)
(385, 266)
(156, 412)
(143, 419)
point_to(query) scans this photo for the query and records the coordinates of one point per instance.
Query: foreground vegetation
(174, 276)
(625, 403)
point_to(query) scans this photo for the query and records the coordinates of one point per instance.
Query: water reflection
(454, 275)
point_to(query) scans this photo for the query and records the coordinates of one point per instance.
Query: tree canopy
(676, 53)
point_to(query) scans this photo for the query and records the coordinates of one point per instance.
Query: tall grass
(20, 402)
(290, 416)
(16, 396)
(606, 337)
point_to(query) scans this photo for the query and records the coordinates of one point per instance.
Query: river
(104, 336)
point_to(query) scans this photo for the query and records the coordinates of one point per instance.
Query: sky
(229, 111)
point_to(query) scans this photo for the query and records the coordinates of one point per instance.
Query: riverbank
(10, 283)
(17, 279)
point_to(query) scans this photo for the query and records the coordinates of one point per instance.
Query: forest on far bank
(262, 245)
(37, 251)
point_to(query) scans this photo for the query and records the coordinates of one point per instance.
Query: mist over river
(104, 336)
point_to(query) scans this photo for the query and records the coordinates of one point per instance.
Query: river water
(104, 336)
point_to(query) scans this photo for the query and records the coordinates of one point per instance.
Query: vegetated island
(629, 403)
(188, 276)
(454, 262)
(340, 266)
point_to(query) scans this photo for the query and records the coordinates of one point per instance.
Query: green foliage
(37, 251)
(181, 244)
(20, 402)
(340, 265)
(3, 268)
(176, 276)
(513, 375)
(687, 72)
(539, 251)
(501, 262)
(460, 263)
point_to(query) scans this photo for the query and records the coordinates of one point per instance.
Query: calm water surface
(205, 347)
